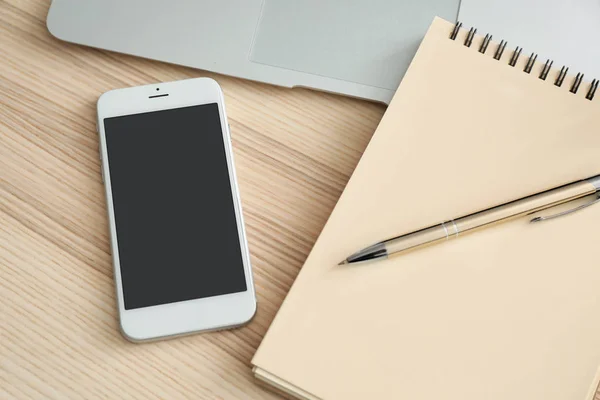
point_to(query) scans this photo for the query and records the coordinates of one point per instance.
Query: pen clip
(571, 211)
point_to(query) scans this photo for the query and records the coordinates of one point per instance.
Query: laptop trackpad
(366, 42)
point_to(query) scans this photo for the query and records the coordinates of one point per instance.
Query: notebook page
(508, 312)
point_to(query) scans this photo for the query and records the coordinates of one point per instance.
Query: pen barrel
(525, 206)
(454, 228)
(420, 238)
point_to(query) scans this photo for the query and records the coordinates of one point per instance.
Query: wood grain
(294, 150)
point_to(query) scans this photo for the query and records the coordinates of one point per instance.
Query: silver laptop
(359, 48)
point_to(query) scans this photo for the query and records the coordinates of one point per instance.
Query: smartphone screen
(176, 225)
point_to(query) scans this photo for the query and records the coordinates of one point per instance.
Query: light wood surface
(294, 151)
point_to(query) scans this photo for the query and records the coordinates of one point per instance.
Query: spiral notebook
(509, 312)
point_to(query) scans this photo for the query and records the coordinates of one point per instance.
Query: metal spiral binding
(530, 61)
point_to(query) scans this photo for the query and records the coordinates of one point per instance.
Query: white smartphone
(179, 249)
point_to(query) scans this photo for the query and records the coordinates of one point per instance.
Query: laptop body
(355, 48)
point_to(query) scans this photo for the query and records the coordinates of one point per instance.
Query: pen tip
(343, 262)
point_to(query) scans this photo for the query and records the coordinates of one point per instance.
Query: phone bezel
(185, 317)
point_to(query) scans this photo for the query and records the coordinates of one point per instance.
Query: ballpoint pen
(452, 228)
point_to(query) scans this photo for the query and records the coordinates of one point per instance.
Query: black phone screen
(176, 226)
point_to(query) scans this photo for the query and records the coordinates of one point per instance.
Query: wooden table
(294, 150)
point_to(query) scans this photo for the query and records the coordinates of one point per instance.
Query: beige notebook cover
(509, 312)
